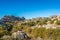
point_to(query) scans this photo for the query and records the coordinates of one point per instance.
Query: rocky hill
(10, 18)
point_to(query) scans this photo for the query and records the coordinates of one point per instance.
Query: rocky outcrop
(19, 35)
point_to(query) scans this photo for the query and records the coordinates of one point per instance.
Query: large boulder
(20, 35)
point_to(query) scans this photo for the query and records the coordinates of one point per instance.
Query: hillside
(42, 28)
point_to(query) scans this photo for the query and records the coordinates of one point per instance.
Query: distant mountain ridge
(10, 18)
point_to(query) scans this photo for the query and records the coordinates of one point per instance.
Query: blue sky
(29, 8)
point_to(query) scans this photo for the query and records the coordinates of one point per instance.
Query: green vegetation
(58, 22)
(45, 34)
